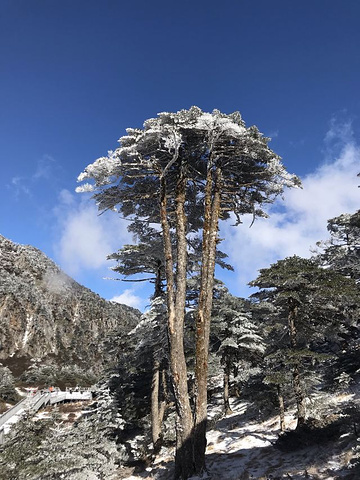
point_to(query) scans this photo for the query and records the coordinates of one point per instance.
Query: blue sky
(75, 74)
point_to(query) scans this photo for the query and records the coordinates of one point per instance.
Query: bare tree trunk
(158, 407)
(176, 296)
(190, 433)
(237, 392)
(210, 231)
(299, 397)
(292, 317)
(155, 420)
(298, 390)
(227, 408)
(281, 408)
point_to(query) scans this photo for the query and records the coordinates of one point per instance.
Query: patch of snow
(29, 323)
(20, 392)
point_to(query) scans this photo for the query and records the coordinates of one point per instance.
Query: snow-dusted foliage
(151, 332)
(185, 171)
(342, 254)
(145, 260)
(342, 251)
(48, 373)
(50, 450)
(7, 386)
(235, 337)
(311, 307)
(130, 175)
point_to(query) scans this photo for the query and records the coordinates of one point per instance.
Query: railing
(33, 403)
(38, 400)
(5, 417)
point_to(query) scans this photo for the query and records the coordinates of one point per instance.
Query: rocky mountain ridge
(46, 315)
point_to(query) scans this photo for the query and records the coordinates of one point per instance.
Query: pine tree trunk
(293, 310)
(299, 396)
(158, 290)
(281, 408)
(210, 231)
(237, 392)
(157, 407)
(155, 423)
(176, 296)
(227, 408)
(298, 390)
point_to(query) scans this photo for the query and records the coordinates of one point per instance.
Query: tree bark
(158, 290)
(158, 406)
(293, 311)
(210, 231)
(155, 410)
(298, 390)
(299, 396)
(281, 408)
(227, 408)
(176, 297)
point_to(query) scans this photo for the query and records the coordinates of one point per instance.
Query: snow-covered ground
(239, 449)
(14, 419)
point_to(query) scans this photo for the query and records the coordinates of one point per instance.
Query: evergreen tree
(342, 251)
(235, 336)
(153, 343)
(310, 304)
(8, 392)
(277, 374)
(25, 439)
(145, 260)
(185, 171)
(342, 254)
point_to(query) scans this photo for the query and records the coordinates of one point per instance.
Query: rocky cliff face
(44, 314)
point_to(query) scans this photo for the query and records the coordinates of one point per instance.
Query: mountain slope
(44, 314)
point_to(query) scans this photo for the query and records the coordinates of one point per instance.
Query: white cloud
(66, 197)
(44, 168)
(129, 298)
(85, 237)
(273, 134)
(340, 133)
(296, 224)
(18, 186)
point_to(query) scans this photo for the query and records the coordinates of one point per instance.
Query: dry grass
(73, 406)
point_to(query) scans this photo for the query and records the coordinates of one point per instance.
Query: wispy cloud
(45, 169)
(18, 186)
(129, 298)
(296, 224)
(273, 134)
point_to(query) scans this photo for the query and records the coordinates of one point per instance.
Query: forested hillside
(49, 320)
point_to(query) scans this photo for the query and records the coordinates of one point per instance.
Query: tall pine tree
(185, 171)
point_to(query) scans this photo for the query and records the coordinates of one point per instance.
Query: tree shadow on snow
(306, 461)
